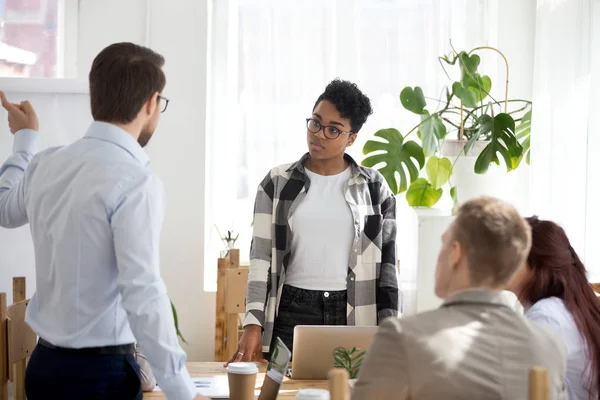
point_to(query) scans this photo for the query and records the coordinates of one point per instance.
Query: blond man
(475, 345)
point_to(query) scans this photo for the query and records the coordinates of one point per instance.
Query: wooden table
(288, 389)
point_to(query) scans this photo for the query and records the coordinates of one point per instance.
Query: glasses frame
(322, 127)
(160, 96)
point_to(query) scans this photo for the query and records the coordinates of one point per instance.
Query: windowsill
(43, 85)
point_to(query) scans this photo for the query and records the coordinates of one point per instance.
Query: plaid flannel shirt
(372, 285)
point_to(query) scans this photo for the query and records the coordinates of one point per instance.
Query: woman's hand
(250, 344)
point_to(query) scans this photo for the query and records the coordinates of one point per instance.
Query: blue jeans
(71, 375)
(307, 307)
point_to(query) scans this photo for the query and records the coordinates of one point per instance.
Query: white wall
(179, 31)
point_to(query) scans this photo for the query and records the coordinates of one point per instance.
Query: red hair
(557, 271)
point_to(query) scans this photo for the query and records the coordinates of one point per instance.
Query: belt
(122, 349)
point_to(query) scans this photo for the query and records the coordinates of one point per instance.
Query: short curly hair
(350, 102)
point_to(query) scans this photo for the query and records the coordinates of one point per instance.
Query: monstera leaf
(431, 131)
(413, 99)
(421, 193)
(523, 134)
(396, 155)
(503, 141)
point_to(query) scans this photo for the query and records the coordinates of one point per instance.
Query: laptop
(314, 345)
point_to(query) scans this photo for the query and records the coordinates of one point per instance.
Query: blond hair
(495, 238)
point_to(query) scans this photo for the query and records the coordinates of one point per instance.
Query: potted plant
(350, 360)
(467, 132)
(228, 241)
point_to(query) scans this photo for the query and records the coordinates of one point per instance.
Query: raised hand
(20, 116)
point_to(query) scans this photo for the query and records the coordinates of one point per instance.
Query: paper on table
(215, 387)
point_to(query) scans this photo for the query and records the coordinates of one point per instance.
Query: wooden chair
(339, 389)
(539, 384)
(596, 287)
(232, 280)
(17, 341)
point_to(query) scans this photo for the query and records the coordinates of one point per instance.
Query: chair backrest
(339, 388)
(232, 280)
(17, 341)
(539, 384)
(21, 339)
(596, 287)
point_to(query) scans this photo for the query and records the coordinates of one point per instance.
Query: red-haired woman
(554, 290)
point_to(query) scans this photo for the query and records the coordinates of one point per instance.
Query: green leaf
(472, 88)
(467, 95)
(176, 319)
(523, 133)
(472, 91)
(397, 156)
(413, 99)
(503, 142)
(454, 196)
(480, 85)
(468, 65)
(524, 128)
(431, 131)
(422, 194)
(438, 171)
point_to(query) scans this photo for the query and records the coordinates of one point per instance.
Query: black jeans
(81, 376)
(307, 307)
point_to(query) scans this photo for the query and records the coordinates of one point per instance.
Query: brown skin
(326, 158)
(326, 155)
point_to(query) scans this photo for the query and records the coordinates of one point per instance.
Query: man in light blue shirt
(95, 211)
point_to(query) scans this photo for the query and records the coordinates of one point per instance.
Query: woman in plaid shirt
(323, 249)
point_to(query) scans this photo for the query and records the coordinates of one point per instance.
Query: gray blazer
(473, 347)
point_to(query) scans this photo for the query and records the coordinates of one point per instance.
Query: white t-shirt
(322, 235)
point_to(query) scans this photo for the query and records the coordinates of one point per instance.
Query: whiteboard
(64, 118)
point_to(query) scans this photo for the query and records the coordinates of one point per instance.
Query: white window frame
(67, 81)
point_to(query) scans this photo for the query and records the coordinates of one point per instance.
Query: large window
(34, 42)
(271, 59)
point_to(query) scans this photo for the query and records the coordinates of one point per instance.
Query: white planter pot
(495, 182)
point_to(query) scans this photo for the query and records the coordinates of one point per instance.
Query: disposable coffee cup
(242, 380)
(312, 394)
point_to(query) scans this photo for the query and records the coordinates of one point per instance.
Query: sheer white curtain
(270, 60)
(565, 162)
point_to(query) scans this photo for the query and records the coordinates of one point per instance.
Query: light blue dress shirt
(553, 313)
(95, 211)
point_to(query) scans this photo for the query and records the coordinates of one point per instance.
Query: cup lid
(242, 368)
(312, 394)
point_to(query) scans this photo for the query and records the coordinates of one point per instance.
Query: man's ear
(457, 254)
(151, 104)
(351, 139)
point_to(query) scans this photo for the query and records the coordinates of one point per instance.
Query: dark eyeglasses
(330, 132)
(166, 103)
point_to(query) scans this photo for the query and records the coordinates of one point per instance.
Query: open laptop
(314, 345)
